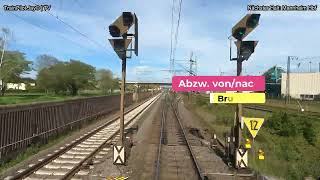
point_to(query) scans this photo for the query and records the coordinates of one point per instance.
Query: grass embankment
(312, 106)
(291, 142)
(26, 98)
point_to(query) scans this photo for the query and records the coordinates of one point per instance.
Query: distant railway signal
(244, 51)
(120, 46)
(253, 20)
(246, 48)
(239, 33)
(122, 24)
(120, 30)
(245, 26)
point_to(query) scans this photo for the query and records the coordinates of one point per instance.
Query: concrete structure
(302, 85)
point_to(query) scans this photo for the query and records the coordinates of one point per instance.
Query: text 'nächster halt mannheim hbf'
(282, 7)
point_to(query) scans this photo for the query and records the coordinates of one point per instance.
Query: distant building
(19, 86)
(302, 85)
(273, 81)
(16, 86)
(22, 85)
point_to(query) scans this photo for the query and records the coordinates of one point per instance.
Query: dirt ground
(143, 154)
(211, 164)
(142, 161)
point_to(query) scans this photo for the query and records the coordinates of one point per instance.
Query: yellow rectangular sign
(237, 98)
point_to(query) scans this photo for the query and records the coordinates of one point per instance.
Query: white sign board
(241, 157)
(118, 155)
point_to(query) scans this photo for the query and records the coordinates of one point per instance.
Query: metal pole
(123, 86)
(239, 106)
(1, 60)
(190, 66)
(319, 66)
(238, 110)
(288, 81)
(2, 53)
(310, 66)
(3, 46)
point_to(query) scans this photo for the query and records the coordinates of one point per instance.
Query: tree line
(56, 76)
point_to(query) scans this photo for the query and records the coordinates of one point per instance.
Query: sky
(205, 26)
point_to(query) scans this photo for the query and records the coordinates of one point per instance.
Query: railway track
(291, 111)
(270, 109)
(175, 158)
(258, 108)
(66, 162)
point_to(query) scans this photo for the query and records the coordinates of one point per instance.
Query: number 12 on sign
(253, 125)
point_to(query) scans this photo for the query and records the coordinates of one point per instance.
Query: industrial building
(301, 85)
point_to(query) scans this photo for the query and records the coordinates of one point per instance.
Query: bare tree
(6, 36)
(45, 61)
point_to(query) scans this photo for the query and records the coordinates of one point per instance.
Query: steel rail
(75, 169)
(55, 155)
(257, 108)
(157, 175)
(313, 114)
(195, 163)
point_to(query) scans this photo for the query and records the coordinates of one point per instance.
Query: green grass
(313, 106)
(26, 98)
(289, 157)
(30, 98)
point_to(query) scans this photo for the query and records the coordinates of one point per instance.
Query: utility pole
(3, 48)
(310, 65)
(190, 64)
(1, 60)
(288, 81)
(196, 65)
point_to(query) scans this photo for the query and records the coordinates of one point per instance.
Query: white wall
(18, 86)
(301, 83)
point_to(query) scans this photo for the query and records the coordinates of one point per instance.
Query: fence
(23, 125)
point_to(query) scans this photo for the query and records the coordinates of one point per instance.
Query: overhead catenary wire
(171, 36)
(174, 34)
(42, 28)
(177, 30)
(305, 64)
(74, 29)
